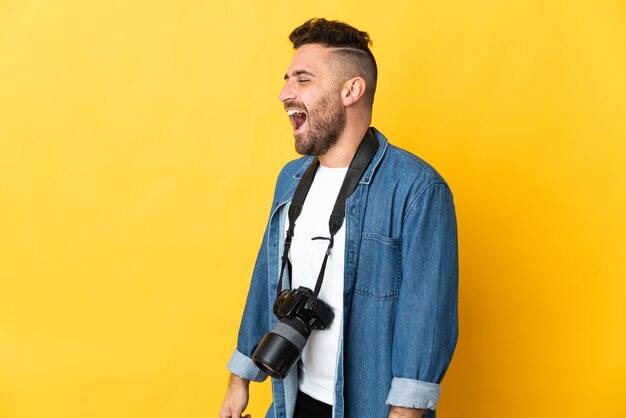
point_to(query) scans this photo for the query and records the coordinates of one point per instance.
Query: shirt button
(352, 211)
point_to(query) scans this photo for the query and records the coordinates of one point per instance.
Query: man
(391, 273)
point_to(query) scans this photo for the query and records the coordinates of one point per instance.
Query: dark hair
(348, 41)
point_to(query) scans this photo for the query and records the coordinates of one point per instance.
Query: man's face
(312, 99)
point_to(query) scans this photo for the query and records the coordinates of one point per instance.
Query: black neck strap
(360, 162)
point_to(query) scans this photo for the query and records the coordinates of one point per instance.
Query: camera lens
(280, 349)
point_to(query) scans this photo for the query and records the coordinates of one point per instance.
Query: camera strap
(364, 155)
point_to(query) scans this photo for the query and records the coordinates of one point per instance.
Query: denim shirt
(399, 326)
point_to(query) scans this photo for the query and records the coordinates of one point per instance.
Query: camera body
(301, 303)
(299, 312)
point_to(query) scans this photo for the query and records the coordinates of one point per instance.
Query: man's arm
(254, 323)
(397, 412)
(236, 398)
(425, 330)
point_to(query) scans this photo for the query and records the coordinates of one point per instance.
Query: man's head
(350, 46)
(333, 71)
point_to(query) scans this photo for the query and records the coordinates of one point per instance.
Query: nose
(287, 92)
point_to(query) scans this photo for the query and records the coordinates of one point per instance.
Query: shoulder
(419, 168)
(294, 167)
(413, 183)
(405, 171)
(290, 174)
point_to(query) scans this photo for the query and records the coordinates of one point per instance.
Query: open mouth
(297, 118)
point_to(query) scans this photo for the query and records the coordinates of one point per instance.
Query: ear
(352, 91)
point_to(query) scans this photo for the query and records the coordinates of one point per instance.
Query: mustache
(294, 105)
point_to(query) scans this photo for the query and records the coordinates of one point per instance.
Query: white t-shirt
(318, 365)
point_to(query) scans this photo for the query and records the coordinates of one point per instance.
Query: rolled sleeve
(242, 366)
(426, 326)
(409, 393)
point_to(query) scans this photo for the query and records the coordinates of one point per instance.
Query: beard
(326, 122)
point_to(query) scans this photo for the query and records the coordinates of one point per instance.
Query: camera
(299, 312)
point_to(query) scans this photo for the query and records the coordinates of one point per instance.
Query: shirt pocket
(379, 267)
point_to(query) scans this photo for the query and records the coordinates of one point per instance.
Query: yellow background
(139, 144)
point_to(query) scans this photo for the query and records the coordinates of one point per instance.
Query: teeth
(293, 112)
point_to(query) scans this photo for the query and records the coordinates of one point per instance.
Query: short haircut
(346, 41)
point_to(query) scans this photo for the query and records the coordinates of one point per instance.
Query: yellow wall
(140, 140)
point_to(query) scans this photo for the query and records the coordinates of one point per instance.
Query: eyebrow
(299, 72)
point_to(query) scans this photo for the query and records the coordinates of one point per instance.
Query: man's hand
(397, 412)
(236, 398)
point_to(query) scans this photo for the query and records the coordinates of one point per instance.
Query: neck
(341, 154)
